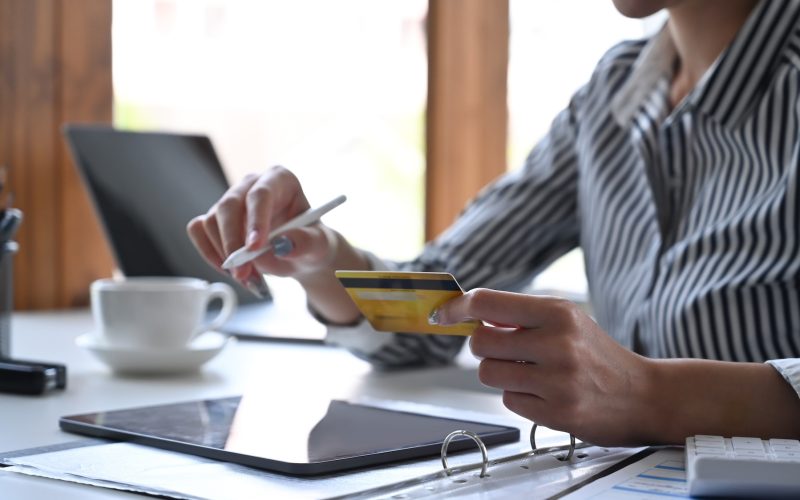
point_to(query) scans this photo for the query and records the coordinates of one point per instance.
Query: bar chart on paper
(662, 474)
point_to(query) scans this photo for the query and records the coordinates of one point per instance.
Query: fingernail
(242, 273)
(281, 246)
(433, 317)
(252, 237)
(258, 286)
(254, 290)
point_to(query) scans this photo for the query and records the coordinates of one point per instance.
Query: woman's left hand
(556, 366)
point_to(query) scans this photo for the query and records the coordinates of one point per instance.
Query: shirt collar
(655, 61)
(728, 90)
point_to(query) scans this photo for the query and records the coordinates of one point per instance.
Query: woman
(675, 168)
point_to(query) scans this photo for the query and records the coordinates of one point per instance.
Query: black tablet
(308, 440)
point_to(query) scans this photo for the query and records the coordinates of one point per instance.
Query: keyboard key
(750, 453)
(706, 438)
(709, 451)
(712, 446)
(746, 443)
(763, 468)
(784, 447)
(793, 443)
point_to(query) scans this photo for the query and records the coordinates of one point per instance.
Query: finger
(504, 344)
(516, 376)
(503, 308)
(533, 408)
(200, 239)
(230, 215)
(211, 229)
(273, 199)
(539, 345)
(306, 244)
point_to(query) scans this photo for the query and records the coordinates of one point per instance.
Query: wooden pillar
(466, 123)
(55, 67)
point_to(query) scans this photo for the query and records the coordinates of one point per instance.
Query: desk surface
(242, 366)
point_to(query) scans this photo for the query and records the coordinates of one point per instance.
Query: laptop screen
(146, 187)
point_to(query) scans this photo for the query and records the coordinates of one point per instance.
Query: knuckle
(283, 175)
(511, 401)
(209, 222)
(281, 171)
(563, 310)
(477, 298)
(195, 226)
(477, 344)
(516, 402)
(249, 178)
(575, 315)
(485, 373)
(278, 170)
(259, 192)
(229, 202)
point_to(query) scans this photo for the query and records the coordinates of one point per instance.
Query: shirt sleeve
(514, 228)
(790, 370)
(364, 341)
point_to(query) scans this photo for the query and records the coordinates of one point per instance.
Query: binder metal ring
(570, 451)
(474, 437)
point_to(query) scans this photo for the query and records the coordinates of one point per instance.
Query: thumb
(451, 312)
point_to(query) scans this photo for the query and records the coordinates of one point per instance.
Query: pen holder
(7, 252)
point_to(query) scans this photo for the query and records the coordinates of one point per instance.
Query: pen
(243, 255)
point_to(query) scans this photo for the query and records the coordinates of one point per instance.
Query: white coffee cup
(156, 312)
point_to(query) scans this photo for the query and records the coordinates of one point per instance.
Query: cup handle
(225, 293)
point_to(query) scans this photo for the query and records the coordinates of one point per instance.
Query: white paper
(660, 475)
(143, 468)
(531, 476)
(33, 471)
(133, 467)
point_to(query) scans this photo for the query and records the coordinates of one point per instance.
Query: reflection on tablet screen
(314, 438)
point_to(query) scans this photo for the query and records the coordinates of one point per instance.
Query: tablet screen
(312, 438)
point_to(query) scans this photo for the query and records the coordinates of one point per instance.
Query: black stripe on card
(400, 284)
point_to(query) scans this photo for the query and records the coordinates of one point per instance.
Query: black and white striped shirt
(689, 218)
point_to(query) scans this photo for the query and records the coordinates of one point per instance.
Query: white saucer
(160, 361)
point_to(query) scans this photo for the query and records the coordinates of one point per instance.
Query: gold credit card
(402, 301)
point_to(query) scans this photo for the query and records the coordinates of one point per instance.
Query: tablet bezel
(499, 435)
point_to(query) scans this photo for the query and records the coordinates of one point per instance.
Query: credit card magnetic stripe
(401, 284)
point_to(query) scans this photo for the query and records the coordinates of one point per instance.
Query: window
(335, 91)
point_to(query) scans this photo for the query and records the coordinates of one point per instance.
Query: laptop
(145, 187)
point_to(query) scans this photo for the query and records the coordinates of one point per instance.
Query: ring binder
(570, 450)
(485, 454)
(472, 436)
(510, 475)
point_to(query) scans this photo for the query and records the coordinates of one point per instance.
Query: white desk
(29, 421)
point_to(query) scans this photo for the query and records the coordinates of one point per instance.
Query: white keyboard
(742, 466)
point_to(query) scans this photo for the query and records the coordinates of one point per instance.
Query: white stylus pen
(243, 255)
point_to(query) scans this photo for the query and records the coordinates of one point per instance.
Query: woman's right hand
(245, 215)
